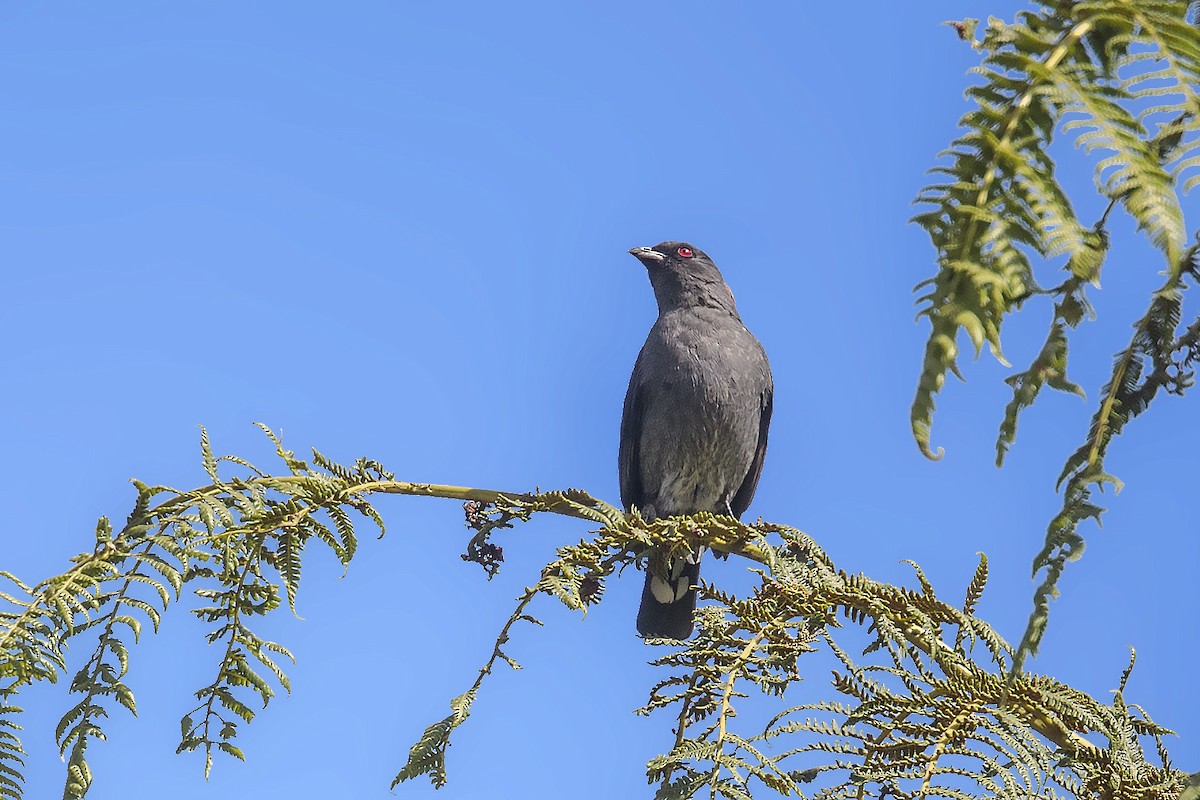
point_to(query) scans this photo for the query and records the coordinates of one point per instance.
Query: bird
(695, 420)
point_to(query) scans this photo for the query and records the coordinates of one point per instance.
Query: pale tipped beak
(646, 255)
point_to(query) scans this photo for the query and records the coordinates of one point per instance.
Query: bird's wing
(741, 499)
(629, 459)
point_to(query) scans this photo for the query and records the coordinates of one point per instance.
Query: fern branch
(1127, 394)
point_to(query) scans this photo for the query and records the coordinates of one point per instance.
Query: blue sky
(399, 230)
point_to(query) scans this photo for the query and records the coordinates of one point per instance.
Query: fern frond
(1049, 368)
(927, 708)
(1081, 68)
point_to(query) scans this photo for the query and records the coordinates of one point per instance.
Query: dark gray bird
(694, 427)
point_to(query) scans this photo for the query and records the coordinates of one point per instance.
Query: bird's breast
(700, 430)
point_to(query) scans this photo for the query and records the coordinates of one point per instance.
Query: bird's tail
(668, 602)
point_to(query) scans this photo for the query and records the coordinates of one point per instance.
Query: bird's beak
(646, 255)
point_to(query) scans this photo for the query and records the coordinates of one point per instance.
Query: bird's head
(684, 276)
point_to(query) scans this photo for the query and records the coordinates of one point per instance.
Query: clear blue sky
(399, 230)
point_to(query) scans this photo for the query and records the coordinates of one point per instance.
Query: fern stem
(563, 507)
(681, 727)
(1105, 412)
(940, 747)
(1174, 279)
(390, 487)
(234, 621)
(523, 602)
(727, 694)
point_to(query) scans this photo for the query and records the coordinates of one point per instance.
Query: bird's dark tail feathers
(671, 620)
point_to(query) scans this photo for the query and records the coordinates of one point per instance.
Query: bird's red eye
(686, 252)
